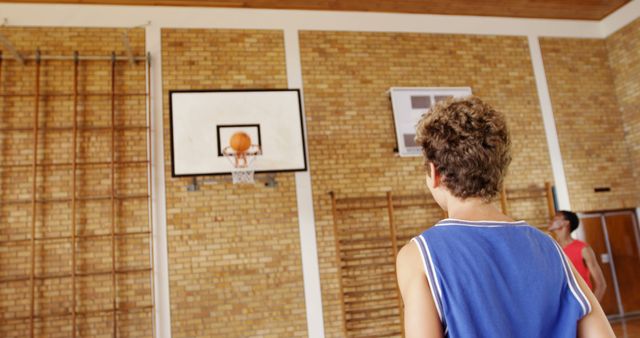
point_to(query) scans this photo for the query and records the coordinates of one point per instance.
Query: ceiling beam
(548, 9)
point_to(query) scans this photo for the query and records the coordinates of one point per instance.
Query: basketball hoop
(241, 154)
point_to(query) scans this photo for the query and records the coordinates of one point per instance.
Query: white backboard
(203, 121)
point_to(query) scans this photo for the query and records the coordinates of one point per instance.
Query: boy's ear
(435, 175)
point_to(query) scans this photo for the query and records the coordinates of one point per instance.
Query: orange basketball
(240, 142)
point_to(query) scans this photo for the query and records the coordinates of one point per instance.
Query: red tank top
(574, 252)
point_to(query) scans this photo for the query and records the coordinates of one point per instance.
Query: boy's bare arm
(597, 277)
(594, 324)
(421, 318)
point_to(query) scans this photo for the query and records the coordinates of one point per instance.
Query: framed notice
(409, 104)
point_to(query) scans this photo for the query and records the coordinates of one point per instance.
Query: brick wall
(589, 123)
(624, 59)
(234, 251)
(350, 123)
(93, 215)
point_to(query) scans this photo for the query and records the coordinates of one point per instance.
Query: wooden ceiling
(550, 9)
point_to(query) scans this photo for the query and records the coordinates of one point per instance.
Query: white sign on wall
(409, 104)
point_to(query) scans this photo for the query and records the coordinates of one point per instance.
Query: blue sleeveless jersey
(500, 279)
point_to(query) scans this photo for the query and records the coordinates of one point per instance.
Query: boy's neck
(474, 209)
(564, 239)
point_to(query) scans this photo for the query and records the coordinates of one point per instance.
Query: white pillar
(557, 167)
(162, 320)
(306, 220)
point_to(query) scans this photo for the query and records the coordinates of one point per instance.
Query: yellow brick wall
(589, 124)
(94, 293)
(350, 123)
(234, 251)
(624, 59)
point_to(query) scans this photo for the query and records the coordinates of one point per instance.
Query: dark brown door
(623, 236)
(595, 237)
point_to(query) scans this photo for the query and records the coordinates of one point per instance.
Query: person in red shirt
(579, 252)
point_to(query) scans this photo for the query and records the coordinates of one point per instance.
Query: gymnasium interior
(119, 218)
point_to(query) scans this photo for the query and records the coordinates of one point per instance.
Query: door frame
(603, 223)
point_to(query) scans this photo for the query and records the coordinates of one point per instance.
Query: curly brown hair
(469, 145)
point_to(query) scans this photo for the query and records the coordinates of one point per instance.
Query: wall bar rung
(81, 313)
(64, 238)
(80, 128)
(71, 57)
(78, 274)
(66, 164)
(79, 198)
(71, 95)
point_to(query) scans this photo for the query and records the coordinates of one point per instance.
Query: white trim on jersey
(572, 281)
(435, 277)
(483, 224)
(433, 267)
(428, 271)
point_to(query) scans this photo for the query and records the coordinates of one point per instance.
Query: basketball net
(242, 162)
(242, 176)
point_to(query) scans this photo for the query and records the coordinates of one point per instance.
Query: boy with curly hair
(479, 273)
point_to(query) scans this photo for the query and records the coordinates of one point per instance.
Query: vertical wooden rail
(150, 192)
(503, 200)
(113, 195)
(394, 245)
(550, 205)
(34, 171)
(73, 194)
(392, 227)
(334, 211)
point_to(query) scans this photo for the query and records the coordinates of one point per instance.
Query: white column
(162, 320)
(557, 167)
(306, 220)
